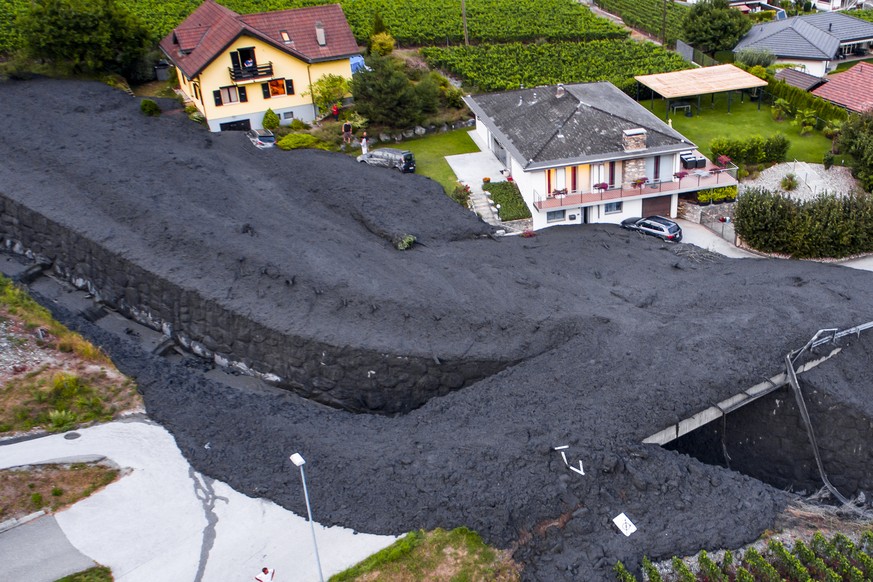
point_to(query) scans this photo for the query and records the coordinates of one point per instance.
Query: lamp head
(297, 459)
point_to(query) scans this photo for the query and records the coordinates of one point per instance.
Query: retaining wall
(343, 376)
(767, 440)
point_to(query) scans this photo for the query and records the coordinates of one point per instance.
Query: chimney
(830, 26)
(319, 33)
(560, 91)
(633, 139)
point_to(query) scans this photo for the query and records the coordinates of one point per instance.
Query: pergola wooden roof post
(700, 81)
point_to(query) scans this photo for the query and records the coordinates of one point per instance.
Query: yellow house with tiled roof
(234, 67)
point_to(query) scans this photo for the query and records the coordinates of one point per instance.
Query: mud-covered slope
(616, 336)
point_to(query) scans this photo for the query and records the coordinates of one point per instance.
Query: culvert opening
(767, 439)
(796, 435)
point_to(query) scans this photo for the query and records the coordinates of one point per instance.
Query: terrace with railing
(710, 176)
(242, 74)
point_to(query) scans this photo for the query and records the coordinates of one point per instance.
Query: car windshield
(673, 228)
(267, 138)
(407, 157)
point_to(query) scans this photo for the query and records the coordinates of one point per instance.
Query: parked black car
(658, 226)
(402, 160)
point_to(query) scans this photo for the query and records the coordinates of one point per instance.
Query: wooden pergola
(680, 85)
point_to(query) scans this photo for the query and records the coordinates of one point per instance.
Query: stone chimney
(559, 92)
(633, 139)
(319, 33)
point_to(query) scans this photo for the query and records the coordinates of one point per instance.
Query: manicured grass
(743, 121)
(431, 151)
(848, 65)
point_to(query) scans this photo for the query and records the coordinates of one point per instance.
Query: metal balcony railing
(691, 181)
(242, 74)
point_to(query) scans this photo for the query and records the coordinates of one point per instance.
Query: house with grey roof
(814, 43)
(589, 153)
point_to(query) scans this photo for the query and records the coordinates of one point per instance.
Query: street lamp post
(298, 460)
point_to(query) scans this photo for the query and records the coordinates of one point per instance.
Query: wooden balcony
(709, 177)
(244, 74)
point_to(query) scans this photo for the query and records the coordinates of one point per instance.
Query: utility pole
(464, 19)
(664, 24)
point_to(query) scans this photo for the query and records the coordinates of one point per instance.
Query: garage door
(659, 205)
(243, 125)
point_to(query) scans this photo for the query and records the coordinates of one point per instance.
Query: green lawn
(848, 65)
(743, 121)
(430, 153)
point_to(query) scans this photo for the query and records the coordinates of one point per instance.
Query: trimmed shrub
(149, 107)
(299, 125)
(800, 99)
(752, 150)
(271, 120)
(297, 141)
(827, 226)
(382, 44)
(507, 195)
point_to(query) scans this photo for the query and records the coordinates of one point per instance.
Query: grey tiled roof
(583, 125)
(814, 37)
(799, 79)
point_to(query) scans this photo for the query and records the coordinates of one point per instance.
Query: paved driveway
(165, 521)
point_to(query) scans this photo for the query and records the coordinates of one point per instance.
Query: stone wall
(767, 440)
(342, 376)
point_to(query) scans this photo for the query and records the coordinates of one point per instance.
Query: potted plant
(638, 183)
(730, 193)
(704, 197)
(723, 160)
(718, 196)
(486, 179)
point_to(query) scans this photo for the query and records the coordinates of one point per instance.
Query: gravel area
(813, 179)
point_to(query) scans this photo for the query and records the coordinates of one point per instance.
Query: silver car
(261, 138)
(658, 226)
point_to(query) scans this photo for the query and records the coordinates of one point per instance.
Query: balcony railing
(710, 177)
(243, 74)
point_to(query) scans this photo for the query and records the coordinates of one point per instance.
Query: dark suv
(658, 226)
(402, 160)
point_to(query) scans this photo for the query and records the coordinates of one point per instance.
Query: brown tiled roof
(852, 89)
(799, 79)
(211, 28)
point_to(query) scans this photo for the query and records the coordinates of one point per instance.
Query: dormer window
(286, 38)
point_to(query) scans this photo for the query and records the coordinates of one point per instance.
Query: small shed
(679, 86)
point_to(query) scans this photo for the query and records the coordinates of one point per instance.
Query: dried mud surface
(616, 336)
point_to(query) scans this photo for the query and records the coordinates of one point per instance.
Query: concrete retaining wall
(347, 377)
(767, 440)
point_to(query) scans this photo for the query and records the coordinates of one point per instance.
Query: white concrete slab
(700, 236)
(165, 521)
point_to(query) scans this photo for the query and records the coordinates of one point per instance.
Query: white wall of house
(815, 68)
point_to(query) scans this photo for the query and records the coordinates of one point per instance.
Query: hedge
(827, 226)
(507, 195)
(800, 99)
(752, 150)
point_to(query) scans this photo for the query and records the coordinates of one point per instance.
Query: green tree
(271, 120)
(382, 44)
(712, 25)
(856, 139)
(86, 36)
(327, 90)
(384, 94)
